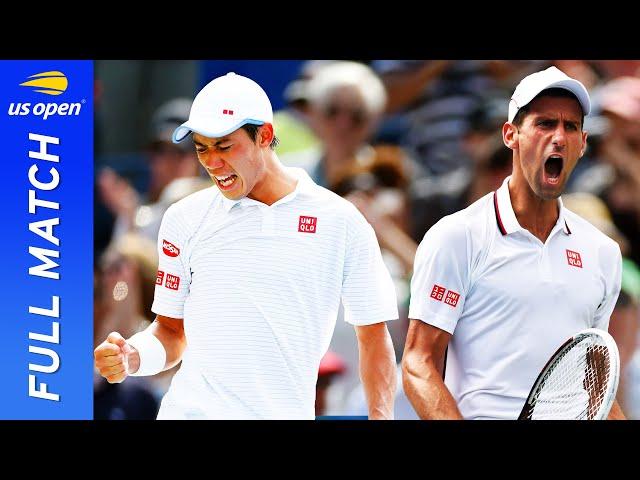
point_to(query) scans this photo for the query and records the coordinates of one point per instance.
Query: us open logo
(51, 83)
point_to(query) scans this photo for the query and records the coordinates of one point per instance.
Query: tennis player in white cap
(504, 282)
(251, 275)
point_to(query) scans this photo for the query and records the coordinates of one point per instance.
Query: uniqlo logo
(159, 277)
(173, 282)
(307, 224)
(438, 292)
(573, 258)
(227, 112)
(451, 298)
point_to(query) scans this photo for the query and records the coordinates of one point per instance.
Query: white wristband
(151, 351)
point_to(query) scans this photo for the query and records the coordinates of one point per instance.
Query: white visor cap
(224, 105)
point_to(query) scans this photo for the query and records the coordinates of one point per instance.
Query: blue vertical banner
(46, 119)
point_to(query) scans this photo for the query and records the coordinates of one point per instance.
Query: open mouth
(225, 182)
(553, 168)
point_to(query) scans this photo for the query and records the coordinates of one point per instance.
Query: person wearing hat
(251, 276)
(498, 286)
(173, 174)
(169, 161)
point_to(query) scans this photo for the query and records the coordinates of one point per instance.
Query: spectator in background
(618, 68)
(583, 70)
(595, 211)
(174, 174)
(377, 186)
(431, 101)
(489, 163)
(125, 285)
(620, 148)
(292, 122)
(346, 100)
(123, 293)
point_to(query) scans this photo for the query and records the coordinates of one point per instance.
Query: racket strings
(575, 385)
(596, 378)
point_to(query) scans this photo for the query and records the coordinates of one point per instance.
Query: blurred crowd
(407, 141)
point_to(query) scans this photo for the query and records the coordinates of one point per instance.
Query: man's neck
(275, 184)
(534, 214)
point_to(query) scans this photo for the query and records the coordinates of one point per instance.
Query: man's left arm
(369, 300)
(377, 369)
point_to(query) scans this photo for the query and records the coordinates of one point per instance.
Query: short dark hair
(550, 92)
(252, 131)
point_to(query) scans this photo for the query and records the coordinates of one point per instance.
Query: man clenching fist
(115, 359)
(153, 350)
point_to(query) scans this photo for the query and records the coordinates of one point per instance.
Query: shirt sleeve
(441, 275)
(173, 277)
(368, 292)
(611, 266)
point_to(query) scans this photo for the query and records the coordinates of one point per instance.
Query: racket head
(579, 382)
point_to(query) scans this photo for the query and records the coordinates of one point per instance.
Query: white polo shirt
(259, 288)
(508, 299)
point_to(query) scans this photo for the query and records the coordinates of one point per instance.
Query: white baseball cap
(552, 77)
(224, 105)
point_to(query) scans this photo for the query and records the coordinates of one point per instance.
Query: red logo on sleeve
(170, 249)
(307, 224)
(452, 298)
(159, 277)
(573, 258)
(173, 282)
(438, 292)
(227, 112)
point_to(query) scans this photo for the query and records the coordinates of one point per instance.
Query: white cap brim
(209, 128)
(570, 84)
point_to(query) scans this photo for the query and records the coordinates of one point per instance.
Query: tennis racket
(579, 382)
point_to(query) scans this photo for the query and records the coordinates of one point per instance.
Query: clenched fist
(115, 359)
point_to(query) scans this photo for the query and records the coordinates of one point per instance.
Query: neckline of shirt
(304, 184)
(506, 217)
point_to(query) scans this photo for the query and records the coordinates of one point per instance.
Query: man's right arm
(422, 369)
(115, 359)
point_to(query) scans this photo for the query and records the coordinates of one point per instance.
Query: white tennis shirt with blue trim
(509, 300)
(259, 288)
